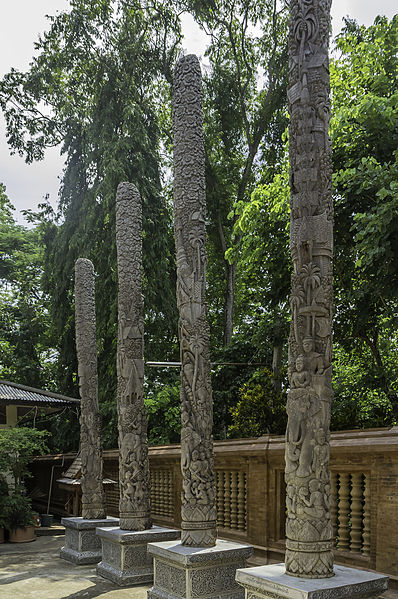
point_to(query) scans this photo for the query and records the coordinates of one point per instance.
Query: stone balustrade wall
(251, 494)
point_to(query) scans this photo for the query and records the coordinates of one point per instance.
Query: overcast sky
(21, 23)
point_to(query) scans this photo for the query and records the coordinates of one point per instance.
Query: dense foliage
(103, 73)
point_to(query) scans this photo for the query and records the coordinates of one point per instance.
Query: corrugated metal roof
(15, 393)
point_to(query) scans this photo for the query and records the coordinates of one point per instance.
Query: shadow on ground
(34, 570)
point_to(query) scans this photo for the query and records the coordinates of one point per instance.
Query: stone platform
(82, 546)
(192, 572)
(125, 560)
(271, 582)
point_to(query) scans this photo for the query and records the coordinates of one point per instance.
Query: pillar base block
(125, 560)
(82, 545)
(272, 582)
(182, 572)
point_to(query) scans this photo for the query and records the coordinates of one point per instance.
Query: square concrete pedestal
(125, 559)
(271, 582)
(82, 546)
(196, 573)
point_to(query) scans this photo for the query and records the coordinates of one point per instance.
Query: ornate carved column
(93, 497)
(308, 528)
(197, 461)
(135, 512)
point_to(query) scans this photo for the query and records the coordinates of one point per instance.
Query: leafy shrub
(261, 409)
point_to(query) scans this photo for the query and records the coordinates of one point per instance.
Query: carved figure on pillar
(134, 478)
(308, 528)
(93, 497)
(197, 462)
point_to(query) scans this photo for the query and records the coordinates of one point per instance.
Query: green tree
(18, 446)
(100, 71)
(364, 131)
(25, 351)
(244, 114)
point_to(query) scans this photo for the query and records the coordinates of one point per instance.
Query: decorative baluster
(164, 492)
(344, 511)
(356, 512)
(234, 500)
(156, 494)
(241, 509)
(162, 497)
(366, 514)
(227, 499)
(333, 502)
(220, 497)
(169, 494)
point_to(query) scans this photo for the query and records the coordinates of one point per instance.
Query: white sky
(21, 23)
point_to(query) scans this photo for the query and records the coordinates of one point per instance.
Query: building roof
(74, 473)
(13, 393)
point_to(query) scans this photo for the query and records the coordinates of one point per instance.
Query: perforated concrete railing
(350, 510)
(231, 499)
(162, 492)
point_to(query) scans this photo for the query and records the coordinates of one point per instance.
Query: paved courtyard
(34, 571)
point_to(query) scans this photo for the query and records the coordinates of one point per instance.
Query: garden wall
(251, 493)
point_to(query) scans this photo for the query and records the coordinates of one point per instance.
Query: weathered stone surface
(197, 461)
(125, 559)
(271, 582)
(82, 546)
(134, 478)
(93, 497)
(308, 528)
(183, 572)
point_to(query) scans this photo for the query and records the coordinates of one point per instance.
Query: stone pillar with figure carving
(309, 532)
(134, 478)
(198, 495)
(309, 535)
(201, 565)
(93, 496)
(81, 543)
(125, 560)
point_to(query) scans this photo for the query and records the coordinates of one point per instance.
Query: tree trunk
(276, 367)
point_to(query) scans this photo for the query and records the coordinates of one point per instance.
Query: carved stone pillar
(81, 543)
(135, 508)
(125, 560)
(308, 528)
(93, 496)
(201, 566)
(197, 462)
(309, 541)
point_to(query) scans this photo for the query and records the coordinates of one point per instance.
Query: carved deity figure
(134, 478)
(309, 535)
(197, 461)
(93, 497)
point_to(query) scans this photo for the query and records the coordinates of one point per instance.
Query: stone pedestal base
(271, 582)
(82, 546)
(197, 573)
(125, 559)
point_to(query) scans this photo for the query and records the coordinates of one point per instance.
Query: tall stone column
(308, 529)
(201, 565)
(81, 543)
(309, 535)
(125, 559)
(135, 508)
(93, 497)
(197, 462)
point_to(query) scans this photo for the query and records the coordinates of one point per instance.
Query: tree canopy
(100, 86)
